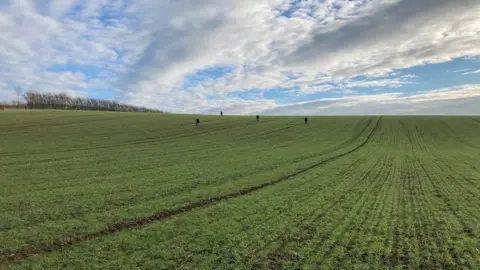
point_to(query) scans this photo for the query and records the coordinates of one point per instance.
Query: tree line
(62, 101)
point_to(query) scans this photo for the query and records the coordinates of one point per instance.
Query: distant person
(221, 113)
(306, 120)
(198, 122)
(258, 117)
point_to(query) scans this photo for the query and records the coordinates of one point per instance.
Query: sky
(269, 57)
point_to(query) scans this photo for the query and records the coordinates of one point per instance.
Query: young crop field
(124, 190)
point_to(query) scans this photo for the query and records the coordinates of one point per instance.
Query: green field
(123, 190)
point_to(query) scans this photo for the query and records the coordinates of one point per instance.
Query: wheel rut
(27, 252)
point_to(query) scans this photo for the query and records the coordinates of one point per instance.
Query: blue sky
(255, 56)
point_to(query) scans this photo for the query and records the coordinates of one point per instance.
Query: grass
(124, 190)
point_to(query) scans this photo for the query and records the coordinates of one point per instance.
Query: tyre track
(167, 138)
(27, 252)
(348, 224)
(174, 137)
(473, 119)
(443, 199)
(417, 202)
(431, 221)
(456, 137)
(445, 186)
(82, 120)
(154, 139)
(415, 208)
(392, 242)
(238, 175)
(390, 216)
(372, 217)
(307, 229)
(314, 188)
(424, 216)
(400, 255)
(277, 130)
(335, 148)
(453, 184)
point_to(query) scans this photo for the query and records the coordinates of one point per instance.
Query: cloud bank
(203, 56)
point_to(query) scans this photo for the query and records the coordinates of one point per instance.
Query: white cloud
(37, 36)
(147, 48)
(333, 39)
(462, 99)
(413, 33)
(385, 83)
(194, 102)
(472, 72)
(58, 8)
(460, 70)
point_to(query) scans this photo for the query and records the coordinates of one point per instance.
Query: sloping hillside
(115, 190)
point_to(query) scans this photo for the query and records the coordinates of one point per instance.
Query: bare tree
(37, 100)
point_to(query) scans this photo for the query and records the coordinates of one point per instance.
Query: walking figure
(198, 123)
(221, 113)
(258, 117)
(306, 120)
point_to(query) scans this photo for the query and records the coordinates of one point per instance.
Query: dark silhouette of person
(221, 113)
(306, 120)
(258, 117)
(198, 122)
